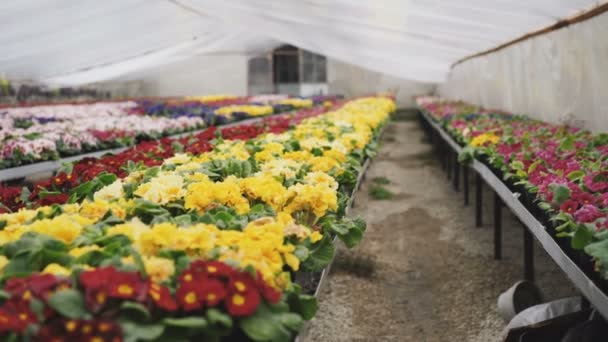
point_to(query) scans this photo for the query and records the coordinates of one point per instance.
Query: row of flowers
(202, 246)
(564, 169)
(57, 189)
(32, 134)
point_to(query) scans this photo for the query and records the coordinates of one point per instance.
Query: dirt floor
(423, 272)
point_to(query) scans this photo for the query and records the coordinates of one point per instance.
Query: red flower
(96, 278)
(585, 198)
(161, 296)
(15, 316)
(213, 292)
(36, 285)
(211, 268)
(190, 296)
(569, 206)
(242, 283)
(268, 292)
(242, 304)
(80, 330)
(126, 285)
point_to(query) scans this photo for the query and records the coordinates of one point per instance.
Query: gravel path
(423, 272)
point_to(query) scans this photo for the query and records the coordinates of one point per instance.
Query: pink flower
(588, 213)
(602, 200)
(594, 185)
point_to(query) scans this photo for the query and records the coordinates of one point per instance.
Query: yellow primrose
(110, 192)
(316, 198)
(178, 159)
(162, 189)
(203, 194)
(264, 188)
(56, 269)
(3, 262)
(78, 251)
(158, 269)
(94, 210)
(484, 138)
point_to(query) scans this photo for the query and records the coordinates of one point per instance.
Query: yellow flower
(132, 229)
(56, 269)
(178, 159)
(162, 189)
(316, 198)
(264, 188)
(158, 269)
(202, 194)
(78, 251)
(94, 210)
(3, 262)
(110, 192)
(485, 138)
(316, 236)
(62, 227)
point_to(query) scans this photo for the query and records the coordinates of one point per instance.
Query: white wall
(351, 80)
(201, 75)
(558, 77)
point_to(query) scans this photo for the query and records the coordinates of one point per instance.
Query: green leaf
(534, 165)
(291, 320)
(354, 236)
(217, 317)
(567, 143)
(598, 250)
(69, 303)
(186, 322)
(321, 254)
(560, 194)
(135, 332)
(305, 305)
(264, 326)
(575, 175)
(136, 308)
(582, 237)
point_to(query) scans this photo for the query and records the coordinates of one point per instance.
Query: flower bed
(203, 246)
(33, 134)
(561, 170)
(70, 180)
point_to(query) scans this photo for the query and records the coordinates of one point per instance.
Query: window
(286, 65)
(314, 68)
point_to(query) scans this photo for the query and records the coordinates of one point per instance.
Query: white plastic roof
(83, 41)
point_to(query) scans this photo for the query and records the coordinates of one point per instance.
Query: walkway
(423, 272)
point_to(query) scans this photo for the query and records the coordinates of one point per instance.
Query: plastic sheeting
(560, 77)
(66, 40)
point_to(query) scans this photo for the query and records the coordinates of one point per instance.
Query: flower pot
(520, 296)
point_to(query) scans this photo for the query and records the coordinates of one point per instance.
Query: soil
(423, 272)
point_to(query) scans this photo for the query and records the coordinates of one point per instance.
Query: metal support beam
(456, 172)
(465, 185)
(478, 200)
(528, 255)
(497, 227)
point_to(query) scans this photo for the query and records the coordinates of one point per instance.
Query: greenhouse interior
(329, 170)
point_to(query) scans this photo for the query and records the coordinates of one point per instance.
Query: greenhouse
(249, 170)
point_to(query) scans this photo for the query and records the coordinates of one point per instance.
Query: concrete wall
(351, 80)
(559, 77)
(201, 75)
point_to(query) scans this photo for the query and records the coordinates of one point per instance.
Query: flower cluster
(563, 169)
(38, 133)
(201, 242)
(44, 300)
